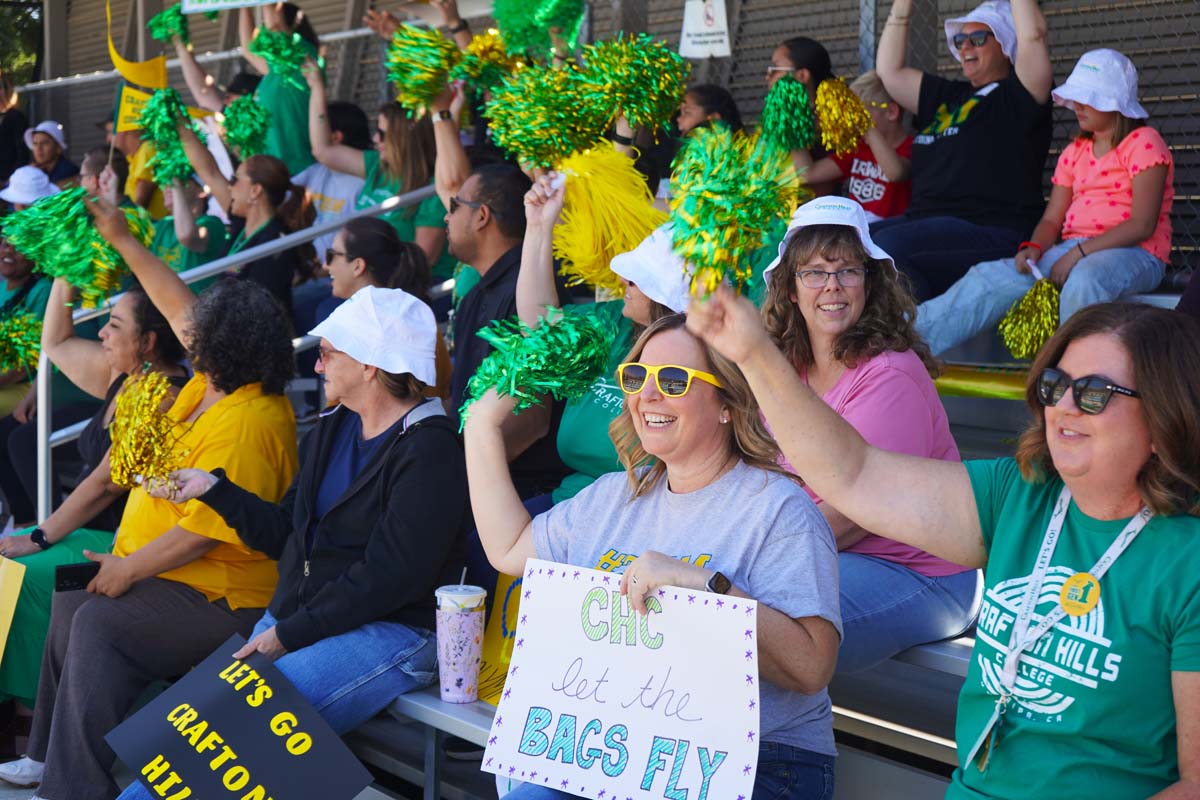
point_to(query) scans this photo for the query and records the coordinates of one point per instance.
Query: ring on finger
(633, 578)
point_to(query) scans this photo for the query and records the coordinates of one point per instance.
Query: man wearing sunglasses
(981, 141)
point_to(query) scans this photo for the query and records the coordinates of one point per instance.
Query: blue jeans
(984, 295)
(887, 607)
(784, 773)
(934, 252)
(351, 677)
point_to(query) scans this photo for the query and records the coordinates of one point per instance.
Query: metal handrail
(48, 439)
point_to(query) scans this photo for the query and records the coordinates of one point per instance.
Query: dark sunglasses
(455, 202)
(330, 253)
(976, 38)
(1091, 392)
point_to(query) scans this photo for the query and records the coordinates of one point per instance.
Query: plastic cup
(460, 641)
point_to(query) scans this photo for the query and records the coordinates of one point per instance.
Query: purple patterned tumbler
(460, 641)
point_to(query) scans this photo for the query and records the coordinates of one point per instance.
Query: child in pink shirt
(1106, 231)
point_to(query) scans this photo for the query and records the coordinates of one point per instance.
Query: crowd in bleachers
(788, 446)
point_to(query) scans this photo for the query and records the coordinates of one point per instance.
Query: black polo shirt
(538, 469)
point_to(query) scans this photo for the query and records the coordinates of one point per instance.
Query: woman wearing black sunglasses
(981, 141)
(1085, 676)
(701, 483)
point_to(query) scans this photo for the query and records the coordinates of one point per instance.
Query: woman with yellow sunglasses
(702, 504)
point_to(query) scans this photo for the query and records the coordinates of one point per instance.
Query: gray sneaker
(24, 772)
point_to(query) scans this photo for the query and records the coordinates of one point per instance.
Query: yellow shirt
(253, 437)
(139, 170)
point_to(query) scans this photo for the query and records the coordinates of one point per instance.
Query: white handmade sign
(605, 703)
(705, 30)
(201, 6)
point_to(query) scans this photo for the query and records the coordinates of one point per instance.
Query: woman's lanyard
(241, 240)
(1023, 638)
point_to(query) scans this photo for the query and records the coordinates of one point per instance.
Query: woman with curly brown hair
(1085, 674)
(838, 311)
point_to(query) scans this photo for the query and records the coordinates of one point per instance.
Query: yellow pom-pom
(608, 211)
(842, 116)
(145, 439)
(1031, 320)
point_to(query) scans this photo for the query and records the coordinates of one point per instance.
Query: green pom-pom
(539, 115)
(639, 74)
(788, 121)
(285, 53)
(561, 357)
(487, 62)
(1031, 320)
(418, 64)
(170, 162)
(727, 191)
(246, 123)
(20, 342)
(169, 24)
(57, 234)
(526, 24)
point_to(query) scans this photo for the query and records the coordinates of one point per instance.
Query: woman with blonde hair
(701, 484)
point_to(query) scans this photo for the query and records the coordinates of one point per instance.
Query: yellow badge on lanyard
(1080, 593)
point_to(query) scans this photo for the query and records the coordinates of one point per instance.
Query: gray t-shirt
(758, 528)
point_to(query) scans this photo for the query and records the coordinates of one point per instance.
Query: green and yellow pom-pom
(20, 342)
(245, 122)
(157, 120)
(727, 190)
(843, 118)
(608, 211)
(487, 62)
(539, 117)
(145, 439)
(285, 53)
(787, 119)
(58, 235)
(1031, 321)
(526, 24)
(418, 64)
(561, 357)
(638, 75)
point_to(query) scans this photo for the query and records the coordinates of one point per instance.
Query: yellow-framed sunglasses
(672, 380)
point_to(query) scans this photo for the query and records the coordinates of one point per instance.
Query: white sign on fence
(705, 30)
(200, 6)
(605, 703)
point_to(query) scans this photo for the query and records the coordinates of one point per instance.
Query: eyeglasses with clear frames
(847, 278)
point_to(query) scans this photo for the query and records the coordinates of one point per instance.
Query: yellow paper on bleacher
(12, 575)
(129, 108)
(498, 639)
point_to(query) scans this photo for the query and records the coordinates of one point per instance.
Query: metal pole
(45, 369)
(867, 21)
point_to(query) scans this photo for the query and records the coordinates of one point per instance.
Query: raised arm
(170, 295)
(1033, 53)
(505, 528)
(205, 165)
(902, 82)
(246, 28)
(338, 157)
(452, 19)
(535, 282)
(452, 167)
(824, 170)
(199, 83)
(81, 360)
(922, 502)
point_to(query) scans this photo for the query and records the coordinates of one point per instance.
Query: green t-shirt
(62, 391)
(166, 245)
(465, 278)
(429, 213)
(1093, 713)
(583, 443)
(761, 258)
(34, 302)
(287, 101)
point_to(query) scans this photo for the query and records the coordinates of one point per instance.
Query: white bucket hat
(27, 185)
(831, 211)
(51, 128)
(1105, 80)
(385, 328)
(658, 272)
(997, 15)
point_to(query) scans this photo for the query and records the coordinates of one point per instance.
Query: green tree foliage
(20, 29)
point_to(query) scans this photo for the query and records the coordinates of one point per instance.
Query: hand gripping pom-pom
(157, 121)
(843, 118)
(20, 342)
(285, 54)
(787, 119)
(169, 24)
(1031, 320)
(418, 63)
(487, 62)
(727, 191)
(561, 357)
(538, 115)
(246, 123)
(639, 75)
(525, 25)
(145, 439)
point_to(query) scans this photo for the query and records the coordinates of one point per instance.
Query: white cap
(385, 328)
(997, 15)
(51, 129)
(27, 185)
(1105, 80)
(658, 272)
(831, 211)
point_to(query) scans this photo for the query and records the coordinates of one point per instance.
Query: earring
(724, 419)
